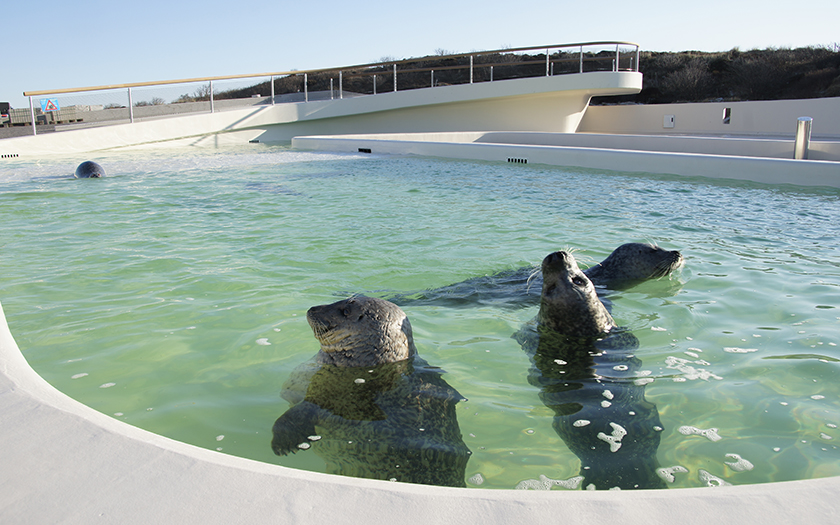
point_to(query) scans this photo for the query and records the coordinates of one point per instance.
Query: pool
(171, 295)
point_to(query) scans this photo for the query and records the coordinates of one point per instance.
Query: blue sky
(54, 44)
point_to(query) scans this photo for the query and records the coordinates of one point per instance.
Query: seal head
(569, 304)
(89, 170)
(361, 331)
(632, 263)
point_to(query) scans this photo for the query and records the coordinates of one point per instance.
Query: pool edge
(65, 462)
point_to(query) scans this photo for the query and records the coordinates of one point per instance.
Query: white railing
(118, 103)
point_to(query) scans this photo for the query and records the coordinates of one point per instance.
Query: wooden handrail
(326, 70)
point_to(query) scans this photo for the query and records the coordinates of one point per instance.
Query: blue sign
(49, 104)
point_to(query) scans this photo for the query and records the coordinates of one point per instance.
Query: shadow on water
(392, 421)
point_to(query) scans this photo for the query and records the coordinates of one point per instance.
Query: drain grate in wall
(364, 150)
(9, 156)
(517, 160)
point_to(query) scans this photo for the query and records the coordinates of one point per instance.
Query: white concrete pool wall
(63, 462)
(551, 103)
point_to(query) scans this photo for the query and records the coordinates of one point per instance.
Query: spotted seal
(89, 170)
(627, 266)
(367, 404)
(585, 367)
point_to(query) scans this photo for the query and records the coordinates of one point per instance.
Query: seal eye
(578, 281)
(346, 312)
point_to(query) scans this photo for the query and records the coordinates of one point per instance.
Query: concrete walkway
(62, 462)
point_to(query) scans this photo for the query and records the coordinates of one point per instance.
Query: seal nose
(556, 259)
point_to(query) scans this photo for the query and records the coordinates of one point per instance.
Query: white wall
(771, 118)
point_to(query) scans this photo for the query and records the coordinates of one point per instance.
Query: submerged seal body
(585, 367)
(368, 405)
(627, 266)
(89, 170)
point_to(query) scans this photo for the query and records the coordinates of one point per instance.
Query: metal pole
(637, 58)
(433, 78)
(491, 73)
(212, 108)
(272, 89)
(130, 107)
(581, 59)
(341, 84)
(547, 62)
(803, 138)
(32, 114)
(374, 84)
(395, 77)
(617, 58)
(331, 90)
(471, 69)
(306, 87)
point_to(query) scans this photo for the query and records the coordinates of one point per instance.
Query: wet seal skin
(368, 405)
(89, 170)
(627, 266)
(585, 367)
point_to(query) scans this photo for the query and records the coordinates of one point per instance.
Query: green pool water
(172, 295)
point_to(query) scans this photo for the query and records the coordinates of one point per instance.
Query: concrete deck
(63, 462)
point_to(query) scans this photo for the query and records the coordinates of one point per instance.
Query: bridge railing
(97, 105)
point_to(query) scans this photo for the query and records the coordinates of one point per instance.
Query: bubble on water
(667, 473)
(825, 436)
(738, 464)
(831, 425)
(581, 423)
(545, 483)
(607, 394)
(614, 440)
(605, 403)
(711, 480)
(658, 428)
(784, 403)
(688, 371)
(359, 381)
(642, 381)
(736, 350)
(777, 449)
(692, 354)
(529, 430)
(711, 433)
(644, 373)
(478, 479)
(107, 385)
(77, 376)
(304, 446)
(313, 438)
(220, 437)
(658, 329)
(621, 368)
(560, 362)
(118, 414)
(817, 397)
(263, 341)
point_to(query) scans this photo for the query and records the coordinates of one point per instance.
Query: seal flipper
(293, 428)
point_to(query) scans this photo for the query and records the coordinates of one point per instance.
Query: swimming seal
(627, 266)
(368, 405)
(89, 170)
(585, 367)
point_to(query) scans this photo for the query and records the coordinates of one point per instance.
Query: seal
(367, 404)
(89, 170)
(585, 367)
(627, 266)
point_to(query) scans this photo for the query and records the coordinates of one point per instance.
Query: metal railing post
(617, 58)
(130, 107)
(547, 62)
(306, 87)
(332, 97)
(802, 140)
(341, 84)
(374, 84)
(433, 78)
(32, 114)
(471, 69)
(637, 59)
(581, 59)
(272, 89)
(212, 108)
(395, 77)
(491, 73)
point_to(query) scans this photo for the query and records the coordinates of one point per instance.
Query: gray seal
(368, 405)
(627, 266)
(585, 366)
(89, 170)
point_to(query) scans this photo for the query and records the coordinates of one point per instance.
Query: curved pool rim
(65, 462)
